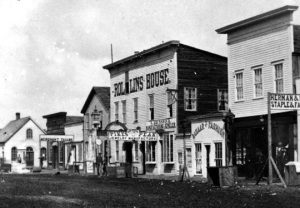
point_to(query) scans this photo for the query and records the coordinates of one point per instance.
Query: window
(136, 151)
(180, 159)
(117, 150)
(124, 111)
(170, 104)
(44, 153)
(61, 153)
(13, 154)
(29, 156)
(167, 148)
(189, 157)
(151, 106)
(278, 78)
(29, 134)
(239, 86)
(258, 89)
(218, 153)
(222, 100)
(190, 99)
(116, 111)
(150, 151)
(135, 109)
(126, 82)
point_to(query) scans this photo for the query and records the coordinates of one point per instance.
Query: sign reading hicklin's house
(161, 124)
(284, 101)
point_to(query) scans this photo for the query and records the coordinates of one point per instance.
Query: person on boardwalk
(104, 168)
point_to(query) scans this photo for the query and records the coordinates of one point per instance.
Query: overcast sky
(52, 52)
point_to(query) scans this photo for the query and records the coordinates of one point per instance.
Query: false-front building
(264, 56)
(152, 92)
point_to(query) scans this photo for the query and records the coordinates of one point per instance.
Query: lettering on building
(284, 101)
(136, 84)
(161, 124)
(209, 125)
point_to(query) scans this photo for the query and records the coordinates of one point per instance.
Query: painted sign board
(58, 138)
(161, 124)
(132, 134)
(284, 101)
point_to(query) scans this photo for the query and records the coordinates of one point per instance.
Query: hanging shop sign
(161, 124)
(209, 125)
(284, 101)
(132, 134)
(58, 138)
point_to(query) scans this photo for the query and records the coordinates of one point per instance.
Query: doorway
(55, 157)
(207, 147)
(29, 156)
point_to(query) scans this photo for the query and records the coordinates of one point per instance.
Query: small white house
(19, 142)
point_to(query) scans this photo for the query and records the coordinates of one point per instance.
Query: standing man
(99, 163)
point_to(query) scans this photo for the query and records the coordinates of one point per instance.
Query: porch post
(296, 152)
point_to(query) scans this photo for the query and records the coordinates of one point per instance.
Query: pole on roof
(111, 53)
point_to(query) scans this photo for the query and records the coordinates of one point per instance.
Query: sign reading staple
(285, 101)
(57, 138)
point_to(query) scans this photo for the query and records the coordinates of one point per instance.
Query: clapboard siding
(297, 38)
(263, 48)
(205, 71)
(151, 63)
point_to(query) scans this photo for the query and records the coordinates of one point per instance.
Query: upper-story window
(124, 111)
(190, 99)
(127, 82)
(170, 104)
(29, 134)
(151, 107)
(222, 100)
(278, 77)
(239, 91)
(135, 109)
(258, 86)
(116, 111)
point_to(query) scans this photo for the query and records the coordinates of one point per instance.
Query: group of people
(101, 164)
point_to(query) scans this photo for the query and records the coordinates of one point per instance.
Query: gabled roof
(13, 127)
(257, 18)
(154, 50)
(102, 93)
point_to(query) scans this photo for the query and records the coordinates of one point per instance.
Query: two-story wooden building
(263, 57)
(152, 92)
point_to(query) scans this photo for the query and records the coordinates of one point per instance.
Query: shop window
(44, 153)
(13, 154)
(29, 134)
(278, 77)
(135, 109)
(61, 153)
(222, 100)
(167, 148)
(151, 106)
(180, 159)
(135, 151)
(117, 151)
(150, 151)
(124, 111)
(239, 91)
(218, 154)
(190, 99)
(258, 87)
(189, 157)
(116, 111)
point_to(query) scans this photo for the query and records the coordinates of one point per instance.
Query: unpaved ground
(81, 191)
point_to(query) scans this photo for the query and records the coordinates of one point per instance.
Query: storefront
(207, 146)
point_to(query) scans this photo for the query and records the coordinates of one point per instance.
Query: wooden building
(19, 144)
(58, 152)
(263, 57)
(153, 91)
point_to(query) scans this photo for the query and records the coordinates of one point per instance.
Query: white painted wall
(21, 143)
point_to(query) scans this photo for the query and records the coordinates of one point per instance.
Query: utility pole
(185, 172)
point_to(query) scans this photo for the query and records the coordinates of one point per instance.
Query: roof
(257, 18)
(13, 127)
(102, 93)
(213, 115)
(152, 50)
(74, 120)
(55, 114)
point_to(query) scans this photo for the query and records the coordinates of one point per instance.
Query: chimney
(18, 115)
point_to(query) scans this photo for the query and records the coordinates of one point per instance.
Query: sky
(52, 52)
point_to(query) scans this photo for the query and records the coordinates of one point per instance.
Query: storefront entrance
(29, 156)
(55, 157)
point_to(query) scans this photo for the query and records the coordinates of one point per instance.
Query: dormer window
(29, 134)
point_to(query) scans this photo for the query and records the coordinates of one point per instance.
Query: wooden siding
(296, 38)
(149, 64)
(260, 45)
(206, 72)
